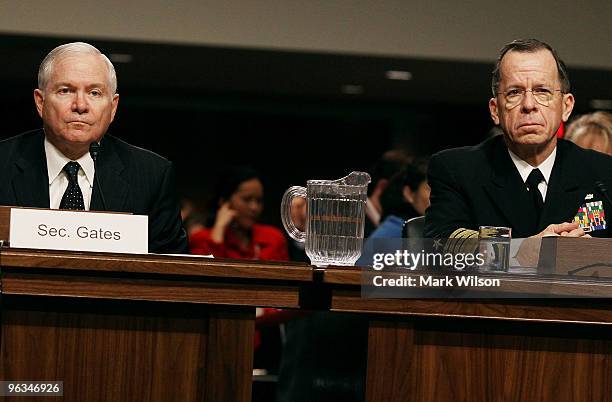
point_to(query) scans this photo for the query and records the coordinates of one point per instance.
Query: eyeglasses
(541, 95)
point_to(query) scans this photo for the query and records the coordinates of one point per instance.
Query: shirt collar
(56, 161)
(525, 168)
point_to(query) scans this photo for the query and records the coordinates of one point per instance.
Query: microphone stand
(94, 150)
(603, 190)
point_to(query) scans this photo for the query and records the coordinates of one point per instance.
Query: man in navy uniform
(527, 179)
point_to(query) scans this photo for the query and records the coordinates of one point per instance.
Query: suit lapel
(31, 181)
(508, 191)
(108, 177)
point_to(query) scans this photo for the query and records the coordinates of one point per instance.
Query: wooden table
(162, 328)
(118, 327)
(429, 350)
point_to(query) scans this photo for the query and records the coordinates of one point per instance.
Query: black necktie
(73, 197)
(535, 178)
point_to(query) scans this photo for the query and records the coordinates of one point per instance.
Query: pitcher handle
(295, 233)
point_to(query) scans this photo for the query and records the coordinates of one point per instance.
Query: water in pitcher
(335, 225)
(334, 219)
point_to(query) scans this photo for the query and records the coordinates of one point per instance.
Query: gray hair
(529, 46)
(46, 67)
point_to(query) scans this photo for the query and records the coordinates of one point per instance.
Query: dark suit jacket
(480, 186)
(132, 180)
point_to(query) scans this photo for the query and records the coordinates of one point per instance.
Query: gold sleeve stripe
(457, 241)
(469, 243)
(452, 240)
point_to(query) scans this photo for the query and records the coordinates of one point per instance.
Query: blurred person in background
(234, 231)
(592, 131)
(406, 197)
(193, 220)
(388, 165)
(297, 251)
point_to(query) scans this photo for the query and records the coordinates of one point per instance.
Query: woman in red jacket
(235, 232)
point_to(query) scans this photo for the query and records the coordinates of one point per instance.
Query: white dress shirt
(545, 167)
(58, 179)
(524, 170)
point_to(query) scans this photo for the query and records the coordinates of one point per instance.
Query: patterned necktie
(535, 178)
(73, 197)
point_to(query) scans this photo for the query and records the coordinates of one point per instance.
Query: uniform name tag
(78, 231)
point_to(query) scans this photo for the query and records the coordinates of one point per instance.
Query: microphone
(603, 190)
(94, 150)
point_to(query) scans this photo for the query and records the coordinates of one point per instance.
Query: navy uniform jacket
(480, 186)
(132, 180)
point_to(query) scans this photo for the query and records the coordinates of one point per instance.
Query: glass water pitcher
(335, 218)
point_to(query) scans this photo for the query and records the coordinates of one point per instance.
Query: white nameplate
(78, 231)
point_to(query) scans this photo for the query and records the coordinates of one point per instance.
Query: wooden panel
(460, 360)
(130, 328)
(570, 255)
(149, 289)
(155, 264)
(114, 352)
(229, 361)
(570, 311)
(5, 221)
(390, 362)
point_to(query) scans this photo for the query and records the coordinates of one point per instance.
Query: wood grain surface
(597, 311)
(435, 360)
(137, 327)
(5, 222)
(154, 264)
(238, 294)
(166, 328)
(128, 351)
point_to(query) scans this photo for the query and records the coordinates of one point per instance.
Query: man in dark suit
(527, 179)
(52, 167)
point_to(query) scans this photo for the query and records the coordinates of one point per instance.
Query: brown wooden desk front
(427, 350)
(137, 328)
(161, 328)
